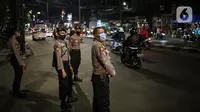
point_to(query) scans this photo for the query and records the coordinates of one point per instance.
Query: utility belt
(102, 76)
(75, 50)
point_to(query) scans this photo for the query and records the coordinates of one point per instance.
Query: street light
(79, 10)
(124, 3)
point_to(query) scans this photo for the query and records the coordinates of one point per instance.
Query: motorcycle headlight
(188, 35)
(193, 32)
(163, 34)
(149, 39)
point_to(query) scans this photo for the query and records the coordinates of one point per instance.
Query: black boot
(78, 79)
(19, 94)
(72, 99)
(64, 105)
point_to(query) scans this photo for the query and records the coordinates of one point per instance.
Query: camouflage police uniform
(17, 62)
(102, 70)
(75, 53)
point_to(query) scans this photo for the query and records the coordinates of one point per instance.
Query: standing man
(102, 70)
(17, 62)
(75, 52)
(64, 69)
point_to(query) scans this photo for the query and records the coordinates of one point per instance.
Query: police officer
(75, 52)
(102, 70)
(64, 69)
(16, 61)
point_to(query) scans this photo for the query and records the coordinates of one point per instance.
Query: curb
(176, 48)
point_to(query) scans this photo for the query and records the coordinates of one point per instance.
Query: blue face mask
(103, 37)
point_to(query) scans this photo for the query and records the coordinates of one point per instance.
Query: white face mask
(103, 37)
(17, 34)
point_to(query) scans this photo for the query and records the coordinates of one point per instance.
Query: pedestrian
(102, 70)
(16, 61)
(64, 69)
(75, 52)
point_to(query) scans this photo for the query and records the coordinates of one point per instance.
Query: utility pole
(79, 10)
(120, 11)
(22, 20)
(47, 3)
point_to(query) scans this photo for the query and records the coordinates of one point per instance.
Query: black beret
(61, 29)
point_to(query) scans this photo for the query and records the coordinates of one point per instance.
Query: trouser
(75, 61)
(65, 84)
(101, 99)
(127, 53)
(18, 74)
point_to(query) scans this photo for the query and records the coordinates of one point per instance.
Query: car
(49, 34)
(39, 32)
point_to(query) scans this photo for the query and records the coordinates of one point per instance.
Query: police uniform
(17, 62)
(75, 53)
(63, 62)
(102, 69)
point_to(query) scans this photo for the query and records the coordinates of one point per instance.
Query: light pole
(47, 3)
(79, 10)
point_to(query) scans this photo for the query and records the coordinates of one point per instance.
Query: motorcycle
(188, 37)
(115, 46)
(146, 43)
(162, 36)
(134, 59)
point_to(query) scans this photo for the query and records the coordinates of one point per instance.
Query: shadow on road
(35, 102)
(83, 104)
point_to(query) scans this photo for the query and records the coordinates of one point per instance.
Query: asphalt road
(176, 42)
(167, 82)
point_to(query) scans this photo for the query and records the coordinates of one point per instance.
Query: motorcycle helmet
(133, 31)
(120, 29)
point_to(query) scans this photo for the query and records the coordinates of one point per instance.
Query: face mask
(103, 37)
(78, 33)
(17, 34)
(62, 37)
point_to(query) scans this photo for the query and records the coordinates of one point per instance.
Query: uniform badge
(57, 49)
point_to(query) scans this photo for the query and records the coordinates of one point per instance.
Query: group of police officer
(66, 60)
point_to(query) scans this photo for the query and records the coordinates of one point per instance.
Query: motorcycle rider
(130, 41)
(118, 37)
(144, 34)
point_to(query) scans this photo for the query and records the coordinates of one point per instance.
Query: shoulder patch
(57, 49)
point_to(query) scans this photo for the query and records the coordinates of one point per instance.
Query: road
(176, 42)
(167, 82)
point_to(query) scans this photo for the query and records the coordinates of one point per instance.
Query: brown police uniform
(17, 62)
(102, 69)
(75, 53)
(63, 62)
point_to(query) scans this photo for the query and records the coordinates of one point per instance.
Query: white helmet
(121, 29)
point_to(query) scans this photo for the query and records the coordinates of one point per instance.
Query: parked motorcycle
(134, 59)
(115, 46)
